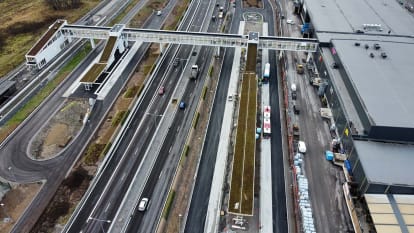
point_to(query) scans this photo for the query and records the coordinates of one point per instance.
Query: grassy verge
(32, 104)
(23, 22)
(242, 179)
(152, 5)
(123, 13)
(168, 204)
(177, 13)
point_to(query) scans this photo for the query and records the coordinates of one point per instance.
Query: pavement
(266, 212)
(328, 206)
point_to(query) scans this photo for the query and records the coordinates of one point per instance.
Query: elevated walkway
(54, 28)
(49, 46)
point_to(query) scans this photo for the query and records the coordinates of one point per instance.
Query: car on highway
(143, 204)
(182, 105)
(302, 147)
(290, 21)
(161, 90)
(159, 13)
(176, 62)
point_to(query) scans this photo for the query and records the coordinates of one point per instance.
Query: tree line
(63, 4)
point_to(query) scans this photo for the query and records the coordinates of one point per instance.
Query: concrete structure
(48, 46)
(61, 33)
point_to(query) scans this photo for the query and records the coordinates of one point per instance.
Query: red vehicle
(161, 90)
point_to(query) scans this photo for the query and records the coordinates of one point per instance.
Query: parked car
(143, 204)
(302, 147)
(161, 90)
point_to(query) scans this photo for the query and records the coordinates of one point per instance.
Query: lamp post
(154, 119)
(100, 221)
(179, 222)
(12, 174)
(8, 218)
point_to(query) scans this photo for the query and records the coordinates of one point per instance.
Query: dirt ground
(60, 130)
(252, 3)
(15, 202)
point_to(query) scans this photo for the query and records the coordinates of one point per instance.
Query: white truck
(194, 72)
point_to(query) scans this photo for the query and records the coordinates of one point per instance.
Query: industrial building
(365, 60)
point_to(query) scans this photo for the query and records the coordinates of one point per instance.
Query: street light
(12, 174)
(154, 119)
(179, 222)
(101, 221)
(5, 211)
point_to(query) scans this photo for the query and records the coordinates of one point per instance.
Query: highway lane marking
(107, 207)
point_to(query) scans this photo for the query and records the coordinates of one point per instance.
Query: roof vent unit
(372, 27)
(383, 55)
(357, 44)
(377, 46)
(371, 55)
(366, 46)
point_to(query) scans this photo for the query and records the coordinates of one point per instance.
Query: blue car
(182, 105)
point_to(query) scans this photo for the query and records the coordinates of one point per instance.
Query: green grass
(32, 104)
(195, 121)
(242, 179)
(118, 18)
(93, 153)
(167, 208)
(124, 117)
(132, 91)
(203, 94)
(118, 118)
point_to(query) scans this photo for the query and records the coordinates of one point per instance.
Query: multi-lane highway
(107, 195)
(53, 171)
(114, 180)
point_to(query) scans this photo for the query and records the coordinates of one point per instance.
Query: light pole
(5, 211)
(154, 118)
(100, 221)
(12, 174)
(179, 222)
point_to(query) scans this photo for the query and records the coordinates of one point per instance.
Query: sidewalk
(266, 212)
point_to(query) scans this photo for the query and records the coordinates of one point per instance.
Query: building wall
(397, 134)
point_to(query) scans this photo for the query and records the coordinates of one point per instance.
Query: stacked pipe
(303, 196)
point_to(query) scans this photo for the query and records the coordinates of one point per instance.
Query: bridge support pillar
(92, 43)
(161, 48)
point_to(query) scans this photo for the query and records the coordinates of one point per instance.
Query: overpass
(61, 33)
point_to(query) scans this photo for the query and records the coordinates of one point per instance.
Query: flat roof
(45, 38)
(393, 218)
(384, 86)
(386, 163)
(93, 73)
(350, 15)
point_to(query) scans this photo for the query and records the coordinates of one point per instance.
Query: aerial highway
(53, 171)
(107, 194)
